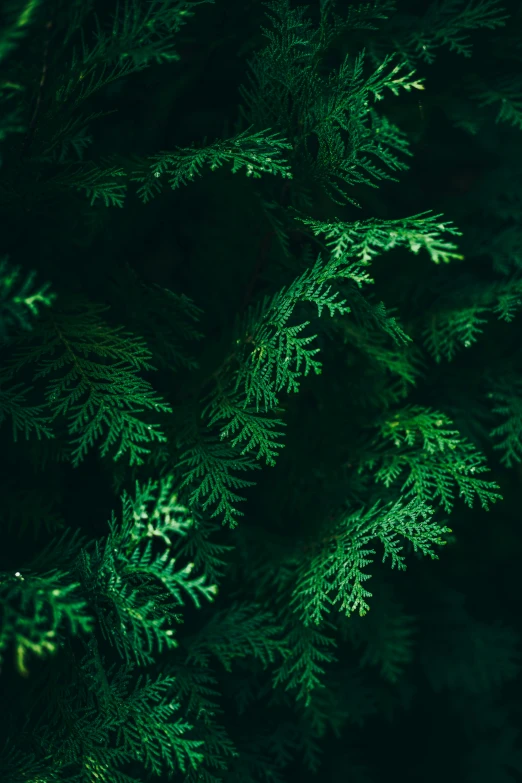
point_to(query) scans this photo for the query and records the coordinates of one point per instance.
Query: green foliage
(137, 36)
(136, 588)
(508, 93)
(20, 299)
(506, 404)
(272, 354)
(130, 720)
(93, 383)
(303, 669)
(356, 145)
(258, 153)
(419, 446)
(333, 573)
(17, 16)
(96, 182)
(38, 610)
(445, 23)
(218, 627)
(25, 418)
(365, 239)
(456, 321)
(211, 470)
(236, 633)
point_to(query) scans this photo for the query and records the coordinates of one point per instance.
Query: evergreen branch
(96, 182)
(506, 404)
(93, 382)
(97, 730)
(310, 651)
(436, 459)
(36, 609)
(207, 555)
(137, 589)
(18, 766)
(244, 426)
(211, 471)
(357, 17)
(258, 153)
(138, 36)
(25, 418)
(336, 573)
(456, 320)
(272, 355)
(448, 23)
(365, 239)
(508, 93)
(20, 300)
(240, 631)
(286, 87)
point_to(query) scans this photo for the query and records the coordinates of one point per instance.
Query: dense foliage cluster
(260, 288)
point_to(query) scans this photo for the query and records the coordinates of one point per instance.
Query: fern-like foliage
(137, 36)
(271, 354)
(43, 602)
(92, 377)
(134, 579)
(506, 93)
(197, 690)
(128, 587)
(20, 299)
(212, 470)
(420, 447)
(198, 546)
(334, 572)
(445, 23)
(365, 239)
(166, 320)
(456, 320)
(245, 426)
(104, 182)
(311, 650)
(38, 609)
(256, 152)
(93, 732)
(25, 418)
(356, 145)
(241, 631)
(506, 405)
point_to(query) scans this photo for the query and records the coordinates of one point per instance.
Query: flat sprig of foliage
(91, 369)
(272, 352)
(137, 586)
(356, 145)
(420, 447)
(365, 239)
(334, 572)
(258, 153)
(138, 34)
